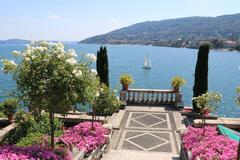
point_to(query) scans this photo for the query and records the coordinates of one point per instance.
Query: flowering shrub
(106, 102)
(206, 103)
(50, 78)
(212, 146)
(84, 138)
(13, 152)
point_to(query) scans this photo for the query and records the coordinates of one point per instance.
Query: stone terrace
(146, 133)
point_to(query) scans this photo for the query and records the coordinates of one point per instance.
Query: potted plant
(177, 82)
(126, 80)
(9, 107)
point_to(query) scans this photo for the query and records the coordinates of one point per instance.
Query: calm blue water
(166, 62)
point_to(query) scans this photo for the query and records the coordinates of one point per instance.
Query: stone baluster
(161, 96)
(133, 97)
(152, 98)
(171, 97)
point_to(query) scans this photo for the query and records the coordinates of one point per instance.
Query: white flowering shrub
(91, 57)
(49, 77)
(106, 102)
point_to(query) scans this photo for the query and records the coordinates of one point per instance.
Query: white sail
(147, 63)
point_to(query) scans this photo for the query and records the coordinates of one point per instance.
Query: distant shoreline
(196, 48)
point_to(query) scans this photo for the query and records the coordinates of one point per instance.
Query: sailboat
(147, 63)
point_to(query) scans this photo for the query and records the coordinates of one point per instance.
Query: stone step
(111, 118)
(116, 119)
(138, 155)
(7, 129)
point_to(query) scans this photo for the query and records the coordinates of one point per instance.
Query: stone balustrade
(151, 97)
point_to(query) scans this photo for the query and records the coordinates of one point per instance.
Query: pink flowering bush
(13, 152)
(211, 146)
(84, 138)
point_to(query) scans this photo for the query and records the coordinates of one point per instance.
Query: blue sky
(78, 19)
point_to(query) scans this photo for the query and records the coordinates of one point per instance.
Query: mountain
(14, 41)
(165, 31)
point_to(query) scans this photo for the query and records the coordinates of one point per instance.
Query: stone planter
(125, 87)
(95, 154)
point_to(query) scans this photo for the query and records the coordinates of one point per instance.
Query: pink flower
(84, 138)
(210, 146)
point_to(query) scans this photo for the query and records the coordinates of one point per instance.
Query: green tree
(206, 103)
(50, 78)
(201, 73)
(9, 107)
(102, 65)
(106, 102)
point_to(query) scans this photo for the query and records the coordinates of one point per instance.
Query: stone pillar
(178, 101)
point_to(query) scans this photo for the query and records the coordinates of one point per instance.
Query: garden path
(146, 133)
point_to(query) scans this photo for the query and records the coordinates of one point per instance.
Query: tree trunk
(51, 117)
(92, 120)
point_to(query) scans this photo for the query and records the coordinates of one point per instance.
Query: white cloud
(54, 17)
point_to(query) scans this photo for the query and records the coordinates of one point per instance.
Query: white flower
(71, 61)
(97, 94)
(40, 49)
(71, 53)
(101, 89)
(60, 45)
(12, 62)
(61, 55)
(27, 59)
(77, 73)
(8, 65)
(74, 71)
(91, 57)
(45, 60)
(93, 71)
(27, 53)
(43, 43)
(16, 53)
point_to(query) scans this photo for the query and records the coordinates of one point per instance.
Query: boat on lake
(147, 63)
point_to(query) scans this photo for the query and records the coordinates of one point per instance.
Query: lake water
(224, 70)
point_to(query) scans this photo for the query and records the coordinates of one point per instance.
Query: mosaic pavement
(146, 131)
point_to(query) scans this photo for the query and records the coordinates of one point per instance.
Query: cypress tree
(201, 73)
(102, 65)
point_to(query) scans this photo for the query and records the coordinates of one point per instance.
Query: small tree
(201, 73)
(206, 103)
(237, 100)
(102, 65)
(9, 107)
(106, 102)
(50, 78)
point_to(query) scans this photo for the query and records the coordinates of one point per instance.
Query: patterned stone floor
(147, 131)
